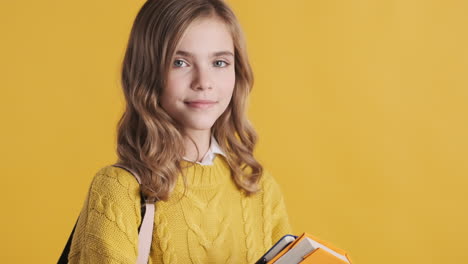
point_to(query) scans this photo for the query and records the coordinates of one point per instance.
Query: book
(305, 249)
(276, 248)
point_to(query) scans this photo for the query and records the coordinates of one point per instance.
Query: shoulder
(111, 181)
(110, 216)
(267, 179)
(269, 184)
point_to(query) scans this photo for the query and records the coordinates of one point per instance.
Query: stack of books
(304, 249)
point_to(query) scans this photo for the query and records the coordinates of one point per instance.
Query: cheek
(227, 84)
(173, 90)
(173, 84)
(167, 100)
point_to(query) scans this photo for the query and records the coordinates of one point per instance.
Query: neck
(202, 139)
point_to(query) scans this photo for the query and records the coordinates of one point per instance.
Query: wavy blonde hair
(150, 141)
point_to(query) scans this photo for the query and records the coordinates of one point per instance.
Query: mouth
(200, 104)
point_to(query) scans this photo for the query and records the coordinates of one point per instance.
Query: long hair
(150, 141)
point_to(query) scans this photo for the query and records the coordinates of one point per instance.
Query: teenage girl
(186, 79)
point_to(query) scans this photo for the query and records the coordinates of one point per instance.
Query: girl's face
(202, 77)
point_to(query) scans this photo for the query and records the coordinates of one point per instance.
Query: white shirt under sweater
(211, 153)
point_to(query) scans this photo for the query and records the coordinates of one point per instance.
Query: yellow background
(361, 107)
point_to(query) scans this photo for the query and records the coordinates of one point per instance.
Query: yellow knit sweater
(213, 223)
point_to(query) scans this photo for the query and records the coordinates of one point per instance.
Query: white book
(280, 245)
(296, 254)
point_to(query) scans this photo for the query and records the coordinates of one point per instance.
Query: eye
(220, 63)
(179, 63)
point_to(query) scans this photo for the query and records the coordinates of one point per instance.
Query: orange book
(307, 249)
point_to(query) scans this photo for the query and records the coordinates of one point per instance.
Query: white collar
(211, 153)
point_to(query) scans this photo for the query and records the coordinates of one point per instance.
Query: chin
(200, 124)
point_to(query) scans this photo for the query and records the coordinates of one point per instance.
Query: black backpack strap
(64, 257)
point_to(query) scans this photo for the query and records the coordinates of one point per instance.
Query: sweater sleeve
(280, 219)
(107, 229)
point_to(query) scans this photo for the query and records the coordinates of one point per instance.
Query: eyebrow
(219, 53)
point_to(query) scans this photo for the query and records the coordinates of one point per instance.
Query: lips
(200, 104)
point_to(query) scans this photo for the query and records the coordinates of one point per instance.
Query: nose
(202, 79)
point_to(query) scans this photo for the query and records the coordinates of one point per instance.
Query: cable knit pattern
(211, 222)
(162, 232)
(267, 202)
(106, 209)
(249, 231)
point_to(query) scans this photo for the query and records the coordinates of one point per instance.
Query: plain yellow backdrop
(361, 108)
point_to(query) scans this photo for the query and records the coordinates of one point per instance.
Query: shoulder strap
(64, 256)
(146, 230)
